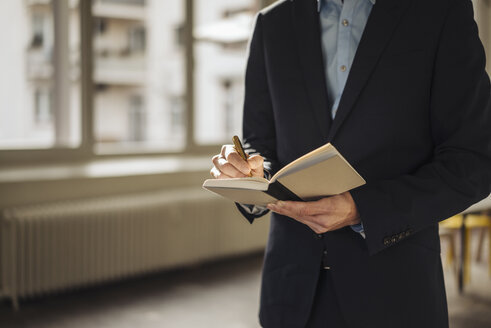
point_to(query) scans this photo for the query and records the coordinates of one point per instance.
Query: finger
(280, 209)
(311, 221)
(317, 207)
(331, 222)
(317, 220)
(297, 210)
(224, 149)
(217, 174)
(255, 162)
(234, 158)
(315, 227)
(215, 158)
(293, 209)
(258, 173)
(227, 168)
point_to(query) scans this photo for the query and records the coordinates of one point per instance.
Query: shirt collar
(319, 4)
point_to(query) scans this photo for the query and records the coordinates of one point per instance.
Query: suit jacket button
(319, 236)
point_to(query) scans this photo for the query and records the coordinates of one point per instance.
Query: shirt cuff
(254, 209)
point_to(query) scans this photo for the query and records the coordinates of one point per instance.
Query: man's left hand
(326, 214)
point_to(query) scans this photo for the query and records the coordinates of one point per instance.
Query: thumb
(256, 164)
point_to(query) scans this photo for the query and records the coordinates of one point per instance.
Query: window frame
(86, 150)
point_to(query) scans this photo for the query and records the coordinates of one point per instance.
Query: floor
(219, 294)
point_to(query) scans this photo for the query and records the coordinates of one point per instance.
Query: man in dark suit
(407, 102)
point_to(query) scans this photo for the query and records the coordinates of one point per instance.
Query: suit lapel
(380, 26)
(307, 34)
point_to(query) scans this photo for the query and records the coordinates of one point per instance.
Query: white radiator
(57, 246)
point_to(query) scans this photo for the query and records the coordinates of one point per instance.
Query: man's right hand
(229, 164)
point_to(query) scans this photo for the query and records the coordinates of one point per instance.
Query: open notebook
(320, 173)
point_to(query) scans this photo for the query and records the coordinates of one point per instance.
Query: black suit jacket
(414, 120)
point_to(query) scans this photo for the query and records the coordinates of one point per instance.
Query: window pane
(139, 75)
(222, 31)
(39, 84)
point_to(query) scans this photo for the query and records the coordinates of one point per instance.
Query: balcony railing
(124, 2)
(120, 9)
(120, 71)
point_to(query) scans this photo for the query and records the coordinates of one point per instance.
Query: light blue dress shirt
(342, 24)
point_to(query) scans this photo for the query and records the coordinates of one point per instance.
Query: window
(136, 38)
(104, 77)
(222, 31)
(137, 119)
(233, 95)
(139, 72)
(39, 86)
(43, 113)
(40, 31)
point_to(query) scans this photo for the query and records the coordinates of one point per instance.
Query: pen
(238, 147)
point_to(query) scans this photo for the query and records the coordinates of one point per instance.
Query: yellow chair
(450, 227)
(483, 222)
(449, 235)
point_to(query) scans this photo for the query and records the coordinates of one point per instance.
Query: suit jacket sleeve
(459, 173)
(258, 122)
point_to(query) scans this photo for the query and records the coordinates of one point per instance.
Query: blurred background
(110, 111)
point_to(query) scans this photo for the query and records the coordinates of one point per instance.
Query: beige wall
(482, 10)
